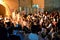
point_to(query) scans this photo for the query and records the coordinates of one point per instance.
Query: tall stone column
(18, 5)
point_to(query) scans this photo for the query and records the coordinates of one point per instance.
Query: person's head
(34, 28)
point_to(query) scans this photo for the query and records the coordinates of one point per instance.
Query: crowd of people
(34, 26)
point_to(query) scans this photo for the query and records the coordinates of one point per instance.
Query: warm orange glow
(41, 2)
(13, 4)
(35, 1)
(6, 7)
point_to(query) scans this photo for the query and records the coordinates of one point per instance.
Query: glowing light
(1, 1)
(13, 15)
(53, 19)
(5, 18)
(0, 18)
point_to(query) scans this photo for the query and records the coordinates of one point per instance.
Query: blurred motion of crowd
(34, 26)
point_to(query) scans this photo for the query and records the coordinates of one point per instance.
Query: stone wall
(12, 4)
(52, 4)
(25, 3)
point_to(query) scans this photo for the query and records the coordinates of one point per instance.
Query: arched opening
(2, 10)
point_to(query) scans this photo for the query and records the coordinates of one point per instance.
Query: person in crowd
(33, 35)
(3, 31)
(38, 24)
